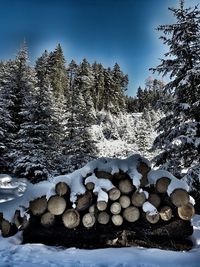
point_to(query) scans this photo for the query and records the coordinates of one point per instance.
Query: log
(101, 205)
(71, 218)
(20, 222)
(103, 174)
(8, 229)
(1, 219)
(138, 198)
(125, 186)
(154, 199)
(117, 220)
(114, 194)
(88, 220)
(165, 213)
(103, 217)
(124, 201)
(152, 218)
(131, 214)
(90, 186)
(179, 197)
(143, 168)
(47, 219)
(186, 212)
(56, 205)
(92, 209)
(62, 189)
(84, 201)
(164, 235)
(120, 175)
(115, 208)
(38, 206)
(162, 184)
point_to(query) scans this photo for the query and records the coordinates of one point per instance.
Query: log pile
(146, 215)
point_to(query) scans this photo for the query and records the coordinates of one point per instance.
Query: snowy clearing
(12, 254)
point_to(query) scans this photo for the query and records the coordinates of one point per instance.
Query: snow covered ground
(13, 254)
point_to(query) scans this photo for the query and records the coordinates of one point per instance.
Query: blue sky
(107, 31)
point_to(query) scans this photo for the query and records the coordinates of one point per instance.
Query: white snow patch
(149, 208)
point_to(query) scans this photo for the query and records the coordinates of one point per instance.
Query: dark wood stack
(119, 222)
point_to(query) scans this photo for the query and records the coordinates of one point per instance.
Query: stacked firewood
(147, 215)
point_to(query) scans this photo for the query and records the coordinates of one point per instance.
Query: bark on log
(131, 214)
(88, 220)
(115, 208)
(47, 219)
(121, 175)
(84, 201)
(143, 168)
(125, 201)
(166, 213)
(125, 186)
(103, 174)
(71, 218)
(117, 219)
(103, 218)
(186, 212)
(38, 206)
(101, 205)
(180, 197)
(155, 200)
(61, 189)
(8, 229)
(114, 194)
(162, 184)
(56, 205)
(138, 199)
(164, 235)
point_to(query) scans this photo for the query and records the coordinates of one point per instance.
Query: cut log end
(138, 199)
(103, 218)
(115, 208)
(162, 184)
(131, 214)
(114, 194)
(117, 220)
(152, 218)
(186, 212)
(8, 229)
(47, 219)
(71, 218)
(125, 201)
(101, 205)
(180, 197)
(57, 205)
(88, 220)
(166, 213)
(38, 206)
(61, 188)
(126, 186)
(84, 201)
(155, 200)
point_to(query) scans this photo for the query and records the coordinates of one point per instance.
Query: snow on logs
(118, 195)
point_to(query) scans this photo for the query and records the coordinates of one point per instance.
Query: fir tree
(179, 129)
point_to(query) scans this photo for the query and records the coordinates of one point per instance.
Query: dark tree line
(150, 97)
(46, 111)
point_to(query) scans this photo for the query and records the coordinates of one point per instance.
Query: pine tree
(58, 72)
(179, 129)
(98, 92)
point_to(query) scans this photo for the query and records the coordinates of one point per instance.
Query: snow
(149, 208)
(99, 186)
(14, 254)
(154, 175)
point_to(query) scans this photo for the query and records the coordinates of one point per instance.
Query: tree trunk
(143, 168)
(8, 229)
(115, 208)
(162, 184)
(125, 201)
(166, 213)
(131, 214)
(88, 220)
(101, 205)
(138, 199)
(103, 217)
(84, 201)
(117, 219)
(47, 219)
(114, 194)
(186, 212)
(155, 200)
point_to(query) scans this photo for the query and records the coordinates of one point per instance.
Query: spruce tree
(179, 130)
